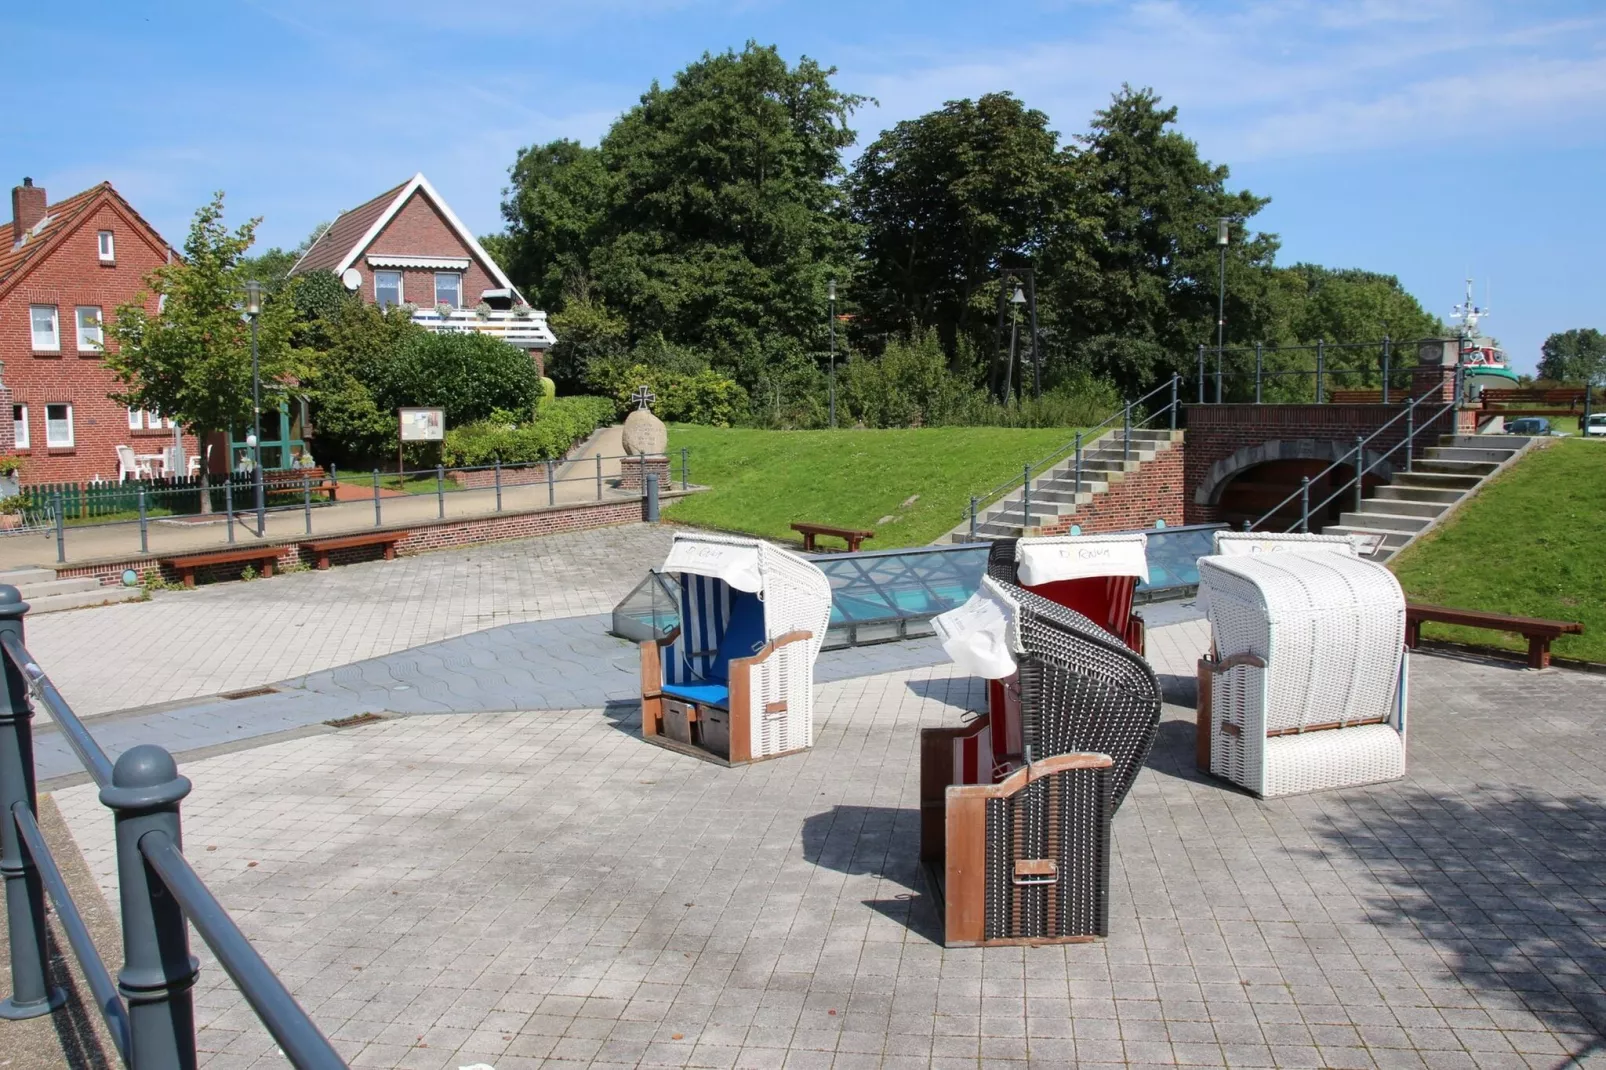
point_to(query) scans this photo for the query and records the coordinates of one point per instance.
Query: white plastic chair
(130, 466)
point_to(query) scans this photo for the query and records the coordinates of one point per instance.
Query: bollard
(1248, 527)
(551, 487)
(376, 497)
(61, 531)
(972, 518)
(1360, 460)
(685, 482)
(1201, 374)
(1319, 400)
(440, 491)
(1176, 382)
(1304, 505)
(1026, 498)
(1258, 366)
(1126, 436)
(599, 477)
(1079, 463)
(1386, 346)
(334, 482)
(649, 498)
(158, 969)
(228, 503)
(499, 484)
(31, 994)
(306, 500)
(144, 527)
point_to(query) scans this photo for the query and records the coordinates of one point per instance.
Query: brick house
(407, 247)
(64, 269)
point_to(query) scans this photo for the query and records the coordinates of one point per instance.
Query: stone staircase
(1105, 462)
(1415, 501)
(44, 593)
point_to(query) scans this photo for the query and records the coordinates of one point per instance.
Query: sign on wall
(422, 425)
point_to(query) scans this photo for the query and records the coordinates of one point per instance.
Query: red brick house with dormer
(64, 269)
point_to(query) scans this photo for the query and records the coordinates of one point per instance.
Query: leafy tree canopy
(1574, 356)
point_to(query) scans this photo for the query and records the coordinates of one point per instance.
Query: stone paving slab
(546, 890)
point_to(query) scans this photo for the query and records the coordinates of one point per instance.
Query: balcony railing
(527, 331)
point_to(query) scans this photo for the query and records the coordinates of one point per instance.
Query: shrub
(702, 397)
(467, 374)
(552, 433)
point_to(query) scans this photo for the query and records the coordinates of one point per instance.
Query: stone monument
(646, 444)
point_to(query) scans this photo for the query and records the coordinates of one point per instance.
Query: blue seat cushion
(702, 694)
(744, 634)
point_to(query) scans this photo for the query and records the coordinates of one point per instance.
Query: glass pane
(448, 290)
(387, 288)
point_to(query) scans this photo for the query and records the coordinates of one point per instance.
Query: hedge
(559, 424)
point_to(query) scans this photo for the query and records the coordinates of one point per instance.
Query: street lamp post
(830, 296)
(1017, 299)
(253, 310)
(1221, 298)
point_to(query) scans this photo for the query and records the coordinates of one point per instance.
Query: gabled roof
(60, 220)
(339, 246)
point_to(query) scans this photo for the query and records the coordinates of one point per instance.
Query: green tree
(191, 361)
(588, 334)
(352, 341)
(469, 375)
(272, 267)
(1575, 356)
(944, 201)
(556, 209)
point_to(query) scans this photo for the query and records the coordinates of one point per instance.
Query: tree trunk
(206, 475)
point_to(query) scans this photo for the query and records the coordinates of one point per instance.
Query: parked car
(1596, 427)
(1528, 425)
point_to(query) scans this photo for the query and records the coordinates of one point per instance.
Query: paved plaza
(544, 889)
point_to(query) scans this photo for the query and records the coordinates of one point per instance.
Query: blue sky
(1428, 138)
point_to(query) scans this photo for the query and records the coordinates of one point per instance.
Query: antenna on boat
(1469, 314)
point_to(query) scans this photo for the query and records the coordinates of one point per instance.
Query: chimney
(27, 208)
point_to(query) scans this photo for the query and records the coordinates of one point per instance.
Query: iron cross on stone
(643, 397)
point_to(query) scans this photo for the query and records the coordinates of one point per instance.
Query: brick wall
(418, 229)
(72, 275)
(633, 472)
(1153, 492)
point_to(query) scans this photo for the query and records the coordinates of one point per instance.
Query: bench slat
(222, 557)
(348, 541)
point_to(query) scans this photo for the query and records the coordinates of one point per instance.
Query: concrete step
(1395, 492)
(1384, 521)
(1480, 469)
(1063, 494)
(34, 591)
(1390, 539)
(1396, 507)
(22, 577)
(100, 596)
(1499, 442)
(1487, 455)
(1437, 480)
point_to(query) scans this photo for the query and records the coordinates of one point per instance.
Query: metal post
(831, 324)
(376, 497)
(256, 429)
(1126, 434)
(650, 498)
(1201, 373)
(61, 531)
(228, 503)
(1259, 364)
(685, 483)
(306, 500)
(551, 486)
(972, 518)
(440, 491)
(1079, 462)
(1386, 354)
(1026, 497)
(1304, 505)
(144, 527)
(1176, 381)
(1410, 432)
(31, 994)
(158, 969)
(499, 484)
(256, 472)
(1360, 469)
(334, 482)
(1319, 400)
(1218, 375)
(599, 477)
(1248, 526)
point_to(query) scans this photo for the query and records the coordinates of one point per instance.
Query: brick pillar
(1434, 374)
(8, 426)
(633, 471)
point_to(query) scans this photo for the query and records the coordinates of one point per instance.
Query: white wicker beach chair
(1096, 575)
(1240, 543)
(1306, 688)
(735, 680)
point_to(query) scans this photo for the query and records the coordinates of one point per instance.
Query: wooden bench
(288, 480)
(1361, 397)
(1558, 402)
(1538, 631)
(810, 532)
(185, 566)
(321, 548)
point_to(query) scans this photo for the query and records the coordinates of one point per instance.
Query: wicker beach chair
(1016, 805)
(1305, 688)
(735, 681)
(1096, 575)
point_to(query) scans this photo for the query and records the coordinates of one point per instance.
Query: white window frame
(153, 420)
(55, 328)
(458, 275)
(97, 343)
(49, 442)
(135, 420)
(401, 282)
(19, 416)
(106, 242)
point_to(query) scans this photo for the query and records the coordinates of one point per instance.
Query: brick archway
(1222, 472)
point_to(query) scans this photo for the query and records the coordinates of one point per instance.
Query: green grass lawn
(764, 480)
(1532, 543)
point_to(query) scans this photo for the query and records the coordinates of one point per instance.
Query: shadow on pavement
(881, 842)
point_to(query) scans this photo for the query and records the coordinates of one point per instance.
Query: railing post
(1218, 375)
(649, 486)
(1304, 505)
(1175, 383)
(1201, 373)
(599, 477)
(551, 487)
(228, 503)
(262, 516)
(972, 518)
(334, 482)
(1259, 365)
(1360, 469)
(1410, 432)
(31, 994)
(1126, 435)
(685, 481)
(1319, 352)
(144, 528)
(1386, 354)
(158, 969)
(499, 484)
(440, 491)
(376, 497)
(1026, 497)
(61, 531)
(306, 500)
(1079, 462)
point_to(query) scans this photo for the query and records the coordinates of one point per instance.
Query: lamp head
(251, 441)
(253, 298)
(1221, 230)
(1019, 297)
(830, 290)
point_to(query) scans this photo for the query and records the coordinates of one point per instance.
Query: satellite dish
(352, 279)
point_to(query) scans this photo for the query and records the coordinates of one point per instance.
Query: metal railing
(149, 1011)
(1132, 416)
(1272, 370)
(1355, 458)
